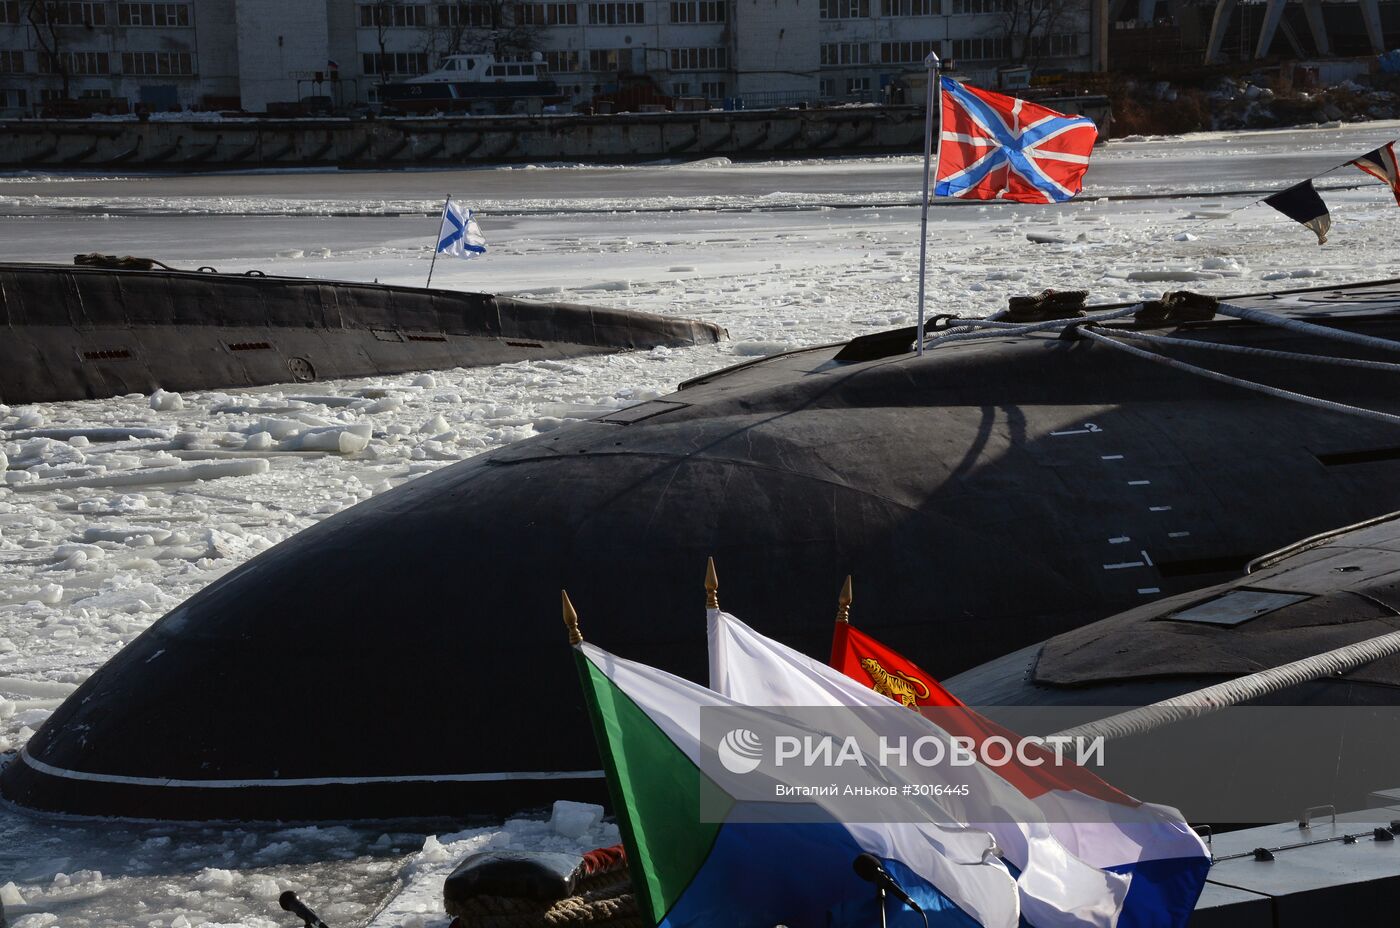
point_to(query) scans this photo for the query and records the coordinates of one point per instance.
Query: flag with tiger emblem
(885, 670)
(995, 147)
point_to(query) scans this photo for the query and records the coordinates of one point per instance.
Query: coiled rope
(1221, 695)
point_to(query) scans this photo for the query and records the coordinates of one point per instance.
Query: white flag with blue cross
(460, 236)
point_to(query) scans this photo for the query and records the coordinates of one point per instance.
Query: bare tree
(486, 26)
(1025, 26)
(44, 18)
(382, 14)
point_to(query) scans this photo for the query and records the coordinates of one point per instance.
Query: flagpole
(436, 237)
(934, 93)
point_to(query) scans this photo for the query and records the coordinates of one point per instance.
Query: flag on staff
(754, 874)
(884, 670)
(460, 236)
(1086, 854)
(1302, 204)
(994, 147)
(1381, 165)
(1142, 837)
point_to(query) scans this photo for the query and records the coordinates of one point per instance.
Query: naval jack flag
(1381, 165)
(459, 236)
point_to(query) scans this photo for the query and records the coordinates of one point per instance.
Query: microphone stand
(880, 897)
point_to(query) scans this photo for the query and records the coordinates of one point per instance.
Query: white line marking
(1159, 509)
(1119, 540)
(1149, 589)
(1088, 429)
(1138, 483)
(1111, 457)
(1177, 534)
(1124, 565)
(1146, 558)
(305, 781)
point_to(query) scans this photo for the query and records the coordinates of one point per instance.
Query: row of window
(699, 59)
(86, 13)
(986, 48)
(81, 63)
(483, 15)
(395, 63)
(860, 9)
(710, 90)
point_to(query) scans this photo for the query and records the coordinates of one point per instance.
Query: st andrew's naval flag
(460, 236)
(994, 147)
(737, 868)
(1106, 828)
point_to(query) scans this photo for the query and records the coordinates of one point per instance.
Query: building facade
(226, 54)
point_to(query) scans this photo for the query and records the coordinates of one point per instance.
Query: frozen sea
(98, 538)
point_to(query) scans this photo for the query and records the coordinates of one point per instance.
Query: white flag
(460, 236)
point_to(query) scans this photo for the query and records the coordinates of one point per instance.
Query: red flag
(995, 147)
(886, 671)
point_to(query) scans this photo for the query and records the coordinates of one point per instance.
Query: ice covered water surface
(112, 512)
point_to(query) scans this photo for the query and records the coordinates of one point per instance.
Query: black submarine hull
(1328, 739)
(406, 655)
(75, 332)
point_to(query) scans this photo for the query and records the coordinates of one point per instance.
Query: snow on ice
(112, 512)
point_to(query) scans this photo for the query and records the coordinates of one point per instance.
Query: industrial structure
(232, 54)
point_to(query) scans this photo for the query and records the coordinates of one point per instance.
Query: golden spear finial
(711, 585)
(843, 602)
(571, 620)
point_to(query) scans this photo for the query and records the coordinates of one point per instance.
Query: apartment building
(216, 54)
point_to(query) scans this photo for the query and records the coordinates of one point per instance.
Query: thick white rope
(1306, 328)
(1276, 392)
(1221, 695)
(1257, 352)
(994, 329)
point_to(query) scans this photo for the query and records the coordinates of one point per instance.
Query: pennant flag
(1128, 863)
(743, 873)
(1381, 165)
(1302, 204)
(884, 670)
(1152, 844)
(459, 236)
(994, 147)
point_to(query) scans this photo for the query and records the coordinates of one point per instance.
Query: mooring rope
(1233, 692)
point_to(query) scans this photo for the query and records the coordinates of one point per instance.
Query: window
(15, 99)
(466, 14)
(65, 13)
(697, 11)
(11, 62)
(857, 86)
(74, 63)
(616, 14)
(157, 63)
(843, 9)
(988, 49)
(981, 6)
(10, 14)
(680, 89)
(153, 14)
(561, 61)
(699, 59)
(712, 90)
(826, 88)
(374, 15)
(547, 14)
(845, 53)
(395, 63)
(1055, 46)
(95, 93)
(906, 52)
(910, 7)
(604, 59)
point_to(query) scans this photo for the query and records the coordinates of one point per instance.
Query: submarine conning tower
(403, 656)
